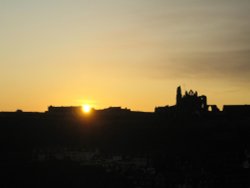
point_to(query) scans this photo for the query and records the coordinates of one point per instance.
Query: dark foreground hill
(129, 150)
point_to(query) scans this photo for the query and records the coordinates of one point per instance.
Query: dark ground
(208, 151)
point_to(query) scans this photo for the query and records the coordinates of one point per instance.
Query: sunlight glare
(86, 108)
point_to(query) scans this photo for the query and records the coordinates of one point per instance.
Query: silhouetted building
(169, 111)
(64, 110)
(189, 103)
(76, 110)
(115, 110)
(213, 108)
(236, 110)
(178, 96)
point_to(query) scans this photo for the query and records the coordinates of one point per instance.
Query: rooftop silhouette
(189, 104)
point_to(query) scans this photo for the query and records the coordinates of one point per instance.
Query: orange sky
(122, 53)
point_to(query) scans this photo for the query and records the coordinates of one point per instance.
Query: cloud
(228, 66)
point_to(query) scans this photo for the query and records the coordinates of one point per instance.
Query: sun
(86, 108)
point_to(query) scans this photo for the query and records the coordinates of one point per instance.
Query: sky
(129, 53)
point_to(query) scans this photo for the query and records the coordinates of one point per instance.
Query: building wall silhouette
(187, 104)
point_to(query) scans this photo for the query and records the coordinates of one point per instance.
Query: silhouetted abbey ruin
(188, 104)
(191, 104)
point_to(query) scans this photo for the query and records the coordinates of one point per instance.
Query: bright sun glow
(86, 108)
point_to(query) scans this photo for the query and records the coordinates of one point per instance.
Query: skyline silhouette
(188, 103)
